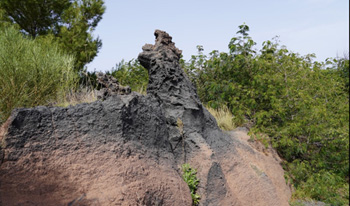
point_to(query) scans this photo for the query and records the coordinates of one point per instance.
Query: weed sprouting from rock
(189, 175)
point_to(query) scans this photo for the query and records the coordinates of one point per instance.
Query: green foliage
(35, 17)
(189, 176)
(242, 45)
(341, 67)
(300, 106)
(33, 72)
(323, 185)
(71, 23)
(75, 36)
(132, 74)
(4, 19)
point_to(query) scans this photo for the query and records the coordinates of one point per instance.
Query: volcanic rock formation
(178, 97)
(110, 86)
(127, 150)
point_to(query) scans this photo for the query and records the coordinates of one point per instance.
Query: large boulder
(114, 152)
(128, 149)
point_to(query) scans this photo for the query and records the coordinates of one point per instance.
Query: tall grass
(223, 117)
(32, 72)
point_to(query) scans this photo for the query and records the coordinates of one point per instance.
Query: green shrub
(323, 186)
(189, 176)
(33, 72)
(298, 105)
(131, 73)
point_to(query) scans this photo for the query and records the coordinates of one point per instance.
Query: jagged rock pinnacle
(167, 80)
(171, 86)
(163, 49)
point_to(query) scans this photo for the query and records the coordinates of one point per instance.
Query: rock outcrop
(110, 86)
(127, 150)
(105, 153)
(217, 155)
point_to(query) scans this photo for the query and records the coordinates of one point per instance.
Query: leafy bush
(300, 105)
(131, 73)
(324, 185)
(189, 176)
(33, 72)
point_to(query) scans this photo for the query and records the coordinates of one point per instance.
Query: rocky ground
(128, 149)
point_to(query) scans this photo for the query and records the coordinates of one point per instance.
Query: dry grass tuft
(84, 95)
(223, 117)
(141, 90)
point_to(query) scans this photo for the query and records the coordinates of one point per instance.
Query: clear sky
(304, 26)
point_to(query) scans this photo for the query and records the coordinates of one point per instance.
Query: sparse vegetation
(180, 127)
(223, 117)
(83, 95)
(190, 177)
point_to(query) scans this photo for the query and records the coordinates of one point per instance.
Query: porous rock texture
(127, 150)
(109, 86)
(114, 152)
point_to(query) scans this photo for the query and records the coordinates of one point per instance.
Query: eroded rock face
(177, 95)
(127, 150)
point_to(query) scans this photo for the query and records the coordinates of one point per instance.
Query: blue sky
(304, 26)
